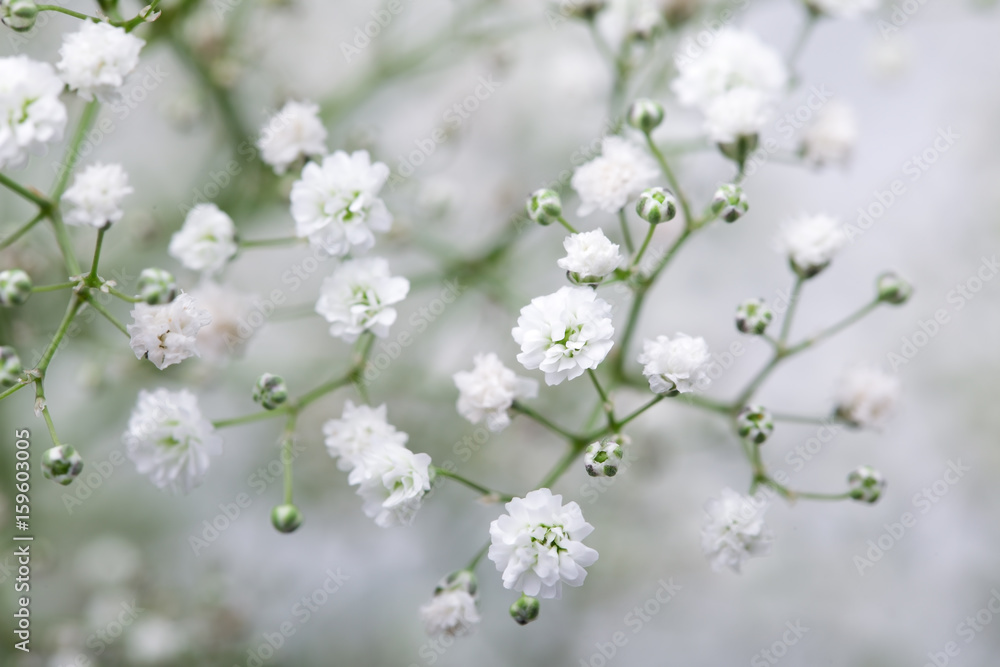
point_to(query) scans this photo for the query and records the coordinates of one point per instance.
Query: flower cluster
(488, 391)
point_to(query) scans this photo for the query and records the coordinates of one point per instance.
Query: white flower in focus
(31, 113)
(167, 334)
(360, 429)
(488, 391)
(734, 530)
(740, 112)
(97, 58)
(450, 613)
(843, 9)
(537, 545)
(676, 365)
(358, 296)
(392, 481)
(206, 241)
(867, 396)
(294, 131)
(811, 242)
(231, 326)
(734, 59)
(95, 198)
(609, 181)
(832, 136)
(169, 440)
(336, 205)
(590, 255)
(564, 334)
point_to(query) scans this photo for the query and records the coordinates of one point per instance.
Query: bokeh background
(222, 69)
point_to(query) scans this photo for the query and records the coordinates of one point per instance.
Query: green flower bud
(866, 484)
(656, 205)
(15, 287)
(286, 518)
(61, 464)
(270, 391)
(460, 580)
(730, 202)
(755, 424)
(893, 289)
(10, 367)
(753, 316)
(603, 458)
(20, 15)
(645, 115)
(525, 610)
(544, 206)
(156, 286)
(738, 151)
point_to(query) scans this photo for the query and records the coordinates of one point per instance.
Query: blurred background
(119, 577)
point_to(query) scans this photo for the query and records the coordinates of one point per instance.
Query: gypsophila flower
(618, 175)
(811, 242)
(167, 334)
(656, 205)
(234, 320)
(734, 530)
(31, 113)
(832, 136)
(590, 256)
(564, 334)
(97, 58)
(392, 482)
(866, 484)
(740, 112)
(62, 464)
(336, 205)
(95, 198)
(734, 59)
(753, 316)
(19, 15)
(891, 288)
(677, 365)
(842, 9)
(206, 241)
(730, 202)
(489, 390)
(867, 396)
(169, 440)
(450, 614)
(538, 545)
(360, 429)
(603, 458)
(293, 132)
(358, 296)
(755, 424)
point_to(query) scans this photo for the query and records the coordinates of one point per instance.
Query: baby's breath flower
(489, 390)
(293, 132)
(206, 241)
(358, 298)
(618, 175)
(31, 114)
(97, 58)
(95, 198)
(167, 334)
(675, 366)
(734, 530)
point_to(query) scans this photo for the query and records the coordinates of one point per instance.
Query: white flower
(392, 481)
(608, 182)
(811, 242)
(97, 58)
(450, 613)
(360, 429)
(294, 131)
(234, 321)
(336, 204)
(844, 9)
(31, 113)
(734, 530)
(590, 255)
(488, 391)
(867, 396)
(96, 195)
(675, 365)
(564, 334)
(167, 334)
(206, 241)
(832, 136)
(169, 440)
(356, 298)
(537, 545)
(734, 59)
(740, 112)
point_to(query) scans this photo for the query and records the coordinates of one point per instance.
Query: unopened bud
(461, 580)
(755, 424)
(15, 287)
(270, 391)
(866, 484)
(730, 202)
(893, 289)
(156, 286)
(656, 205)
(645, 115)
(10, 367)
(603, 458)
(544, 206)
(20, 15)
(286, 518)
(753, 316)
(61, 464)
(525, 610)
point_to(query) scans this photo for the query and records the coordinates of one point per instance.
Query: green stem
(529, 412)
(267, 243)
(73, 149)
(65, 243)
(608, 404)
(486, 491)
(24, 192)
(21, 231)
(478, 557)
(92, 278)
(286, 455)
(50, 351)
(629, 417)
(626, 232)
(565, 223)
(246, 419)
(706, 403)
(124, 297)
(17, 387)
(644, 247)
(689, 220)
(562, 466)
(839, 326)
(800, 419)
(793, 302)
(54, 288)
(99, 307)
(40, 400)
(67, 12)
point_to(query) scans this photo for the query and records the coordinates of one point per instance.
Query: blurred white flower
(360, 429)
(97, 58)
(676, 365)
(95, 198)
(450, 613)
(358, 296)
(734, 530)
(167, 334)
(107, 561)
(590, 255)
(154, 640)
(169, 440)
(832, 135)
(206, 241)
(392, 480)
(565, 333)
(811, 243)
(843, 9)
(336, 205)
(231, 326)
(538, 545)
(31, 113)
(488, 391)
(740, 112)
(733, 59)
(867, 396)
(609, 181)
(294, 131)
